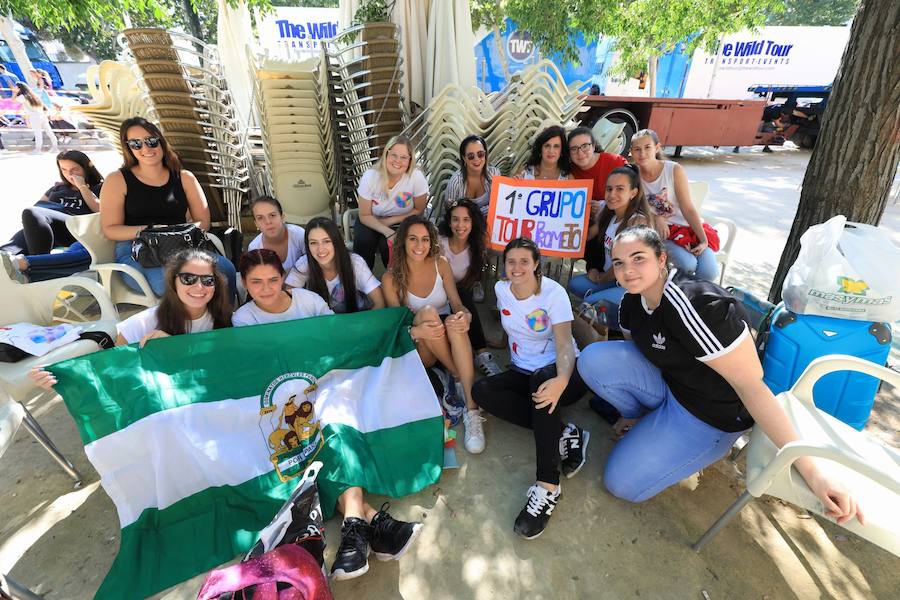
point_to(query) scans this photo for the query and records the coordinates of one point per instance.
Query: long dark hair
(637, 207)
(476, 239)
(171, 316)
(32, 98)
(399, 264)
(170, 159)
(315, 282)
(462, 155)
(92, 176)
(534, 159)
(645, 235)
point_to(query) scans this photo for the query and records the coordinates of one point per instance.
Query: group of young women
(685, 381)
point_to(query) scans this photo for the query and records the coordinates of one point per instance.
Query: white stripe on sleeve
(705, 338)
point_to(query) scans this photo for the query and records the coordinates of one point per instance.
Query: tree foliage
(815, 12)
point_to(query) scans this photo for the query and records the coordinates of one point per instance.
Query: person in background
(549, 158)
(474, 177)
(393, 189)
(36, 115)
(8, 81)
(286, 239)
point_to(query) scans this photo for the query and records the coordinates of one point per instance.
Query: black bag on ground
(156, 244)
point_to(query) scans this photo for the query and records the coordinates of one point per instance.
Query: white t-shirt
(399, 200)
(459, 263)
(529, 323)
(366, 282)
(661, 195)
(137, 326)
(296, 245)
(608, 237)
(303, 304)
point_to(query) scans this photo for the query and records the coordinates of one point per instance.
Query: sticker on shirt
(661, 204)
(403, 199)
(538, 320)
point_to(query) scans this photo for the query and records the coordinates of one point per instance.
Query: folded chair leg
(16, 590)
(729, 514)
(38, 432)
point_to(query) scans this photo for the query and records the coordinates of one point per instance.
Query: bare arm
(196, 199)
(461, 318)
(377, 298)
(371, 221)
(390, 291)
(549, 392)
(89, 197)
(741, 369)
(112, 210)
(690, 212)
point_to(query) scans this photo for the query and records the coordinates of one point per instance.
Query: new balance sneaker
(485, 363)
(478, 292)
(534, 516)
(573, 449)
(392, 538)
(352, 558)
(472, 421)
(453, 407)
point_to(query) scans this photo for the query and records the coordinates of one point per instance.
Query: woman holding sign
(549, 158)
(388, 193)
(536, 314)
(422, 280)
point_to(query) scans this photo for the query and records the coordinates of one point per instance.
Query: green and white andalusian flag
(197, 437)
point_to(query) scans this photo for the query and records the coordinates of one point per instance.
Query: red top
(599, 172)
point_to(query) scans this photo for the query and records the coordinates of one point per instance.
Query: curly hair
(477, 238)
(399, 268)
(534, 159)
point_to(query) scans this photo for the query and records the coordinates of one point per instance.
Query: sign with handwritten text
(552, 213)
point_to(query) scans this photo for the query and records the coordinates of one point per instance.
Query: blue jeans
(42, 267)
(703, 266)
(668, 443)
(607, 293)
(156, 277)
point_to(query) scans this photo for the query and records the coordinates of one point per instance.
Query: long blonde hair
(381, 165)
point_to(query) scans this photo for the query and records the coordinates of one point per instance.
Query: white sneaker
(486, 364)
(472, 420)
(478, 292)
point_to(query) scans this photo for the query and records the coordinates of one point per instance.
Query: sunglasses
(136, 144)
(473, 155)
(192, 278)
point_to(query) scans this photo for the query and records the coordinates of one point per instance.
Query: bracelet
(409, 331)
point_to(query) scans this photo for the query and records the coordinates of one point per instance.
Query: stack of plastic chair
(115, 97)
(365, 98)
(293, 118)
(189, 97)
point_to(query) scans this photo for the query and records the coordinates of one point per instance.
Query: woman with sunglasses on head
(422, 280)
(263, 275)
(151, 188)
(690, 380)
(327, 268)
(194, 300)
(474, 177)
(549, 158)
(536, 314)
(462, 236)
(389, 192)
(286, 239)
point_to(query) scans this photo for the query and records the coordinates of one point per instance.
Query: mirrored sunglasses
(479, 154)
(192, 278)
(137, 144)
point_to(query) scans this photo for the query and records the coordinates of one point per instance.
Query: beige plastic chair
(348, 221)
(868, 468)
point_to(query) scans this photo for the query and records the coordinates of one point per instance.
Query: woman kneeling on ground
(363, 527)
(195, 299)
(286, 239)
(327, 268)
(537, 316)
(689, 381)
(421, 279)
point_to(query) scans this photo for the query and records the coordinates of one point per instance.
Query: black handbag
(156, 244)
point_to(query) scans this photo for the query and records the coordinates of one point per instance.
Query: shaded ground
(61, 542)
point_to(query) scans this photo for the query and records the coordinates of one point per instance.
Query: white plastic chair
(869, 469)
(699, 191)
(723, 256)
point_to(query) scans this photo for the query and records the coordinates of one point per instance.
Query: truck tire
(808, 140)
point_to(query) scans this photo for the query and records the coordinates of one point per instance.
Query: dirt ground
(61, 541)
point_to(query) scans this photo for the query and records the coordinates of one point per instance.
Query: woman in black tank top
(151, 188)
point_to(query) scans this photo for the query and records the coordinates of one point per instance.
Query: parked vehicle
(793, 112)
(36, 55)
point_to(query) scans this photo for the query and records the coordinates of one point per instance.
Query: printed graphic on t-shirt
(538, 320)
(337, 293)
(661, 204)
(403, 199)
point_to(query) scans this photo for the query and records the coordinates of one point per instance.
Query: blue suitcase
(796, 340)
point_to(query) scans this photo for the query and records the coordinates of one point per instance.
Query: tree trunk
(8, 31)
(855, 158)
(192, 19)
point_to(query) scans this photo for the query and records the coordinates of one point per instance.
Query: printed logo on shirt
(538, 320)
(661, 204)
(659, 342)
(506, 312)
(337, 294)
(403, 199)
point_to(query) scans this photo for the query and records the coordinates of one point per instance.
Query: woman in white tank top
(421, 279)
(666, 186)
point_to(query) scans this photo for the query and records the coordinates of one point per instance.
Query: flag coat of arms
(198, 438)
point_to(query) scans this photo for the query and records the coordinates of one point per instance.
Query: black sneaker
(533, 518)
(391, 538)
(573, 449)
(352, 559)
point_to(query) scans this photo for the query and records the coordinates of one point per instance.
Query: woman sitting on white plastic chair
(285, 239)
(686, 382)
(151, 188)
(194, 300)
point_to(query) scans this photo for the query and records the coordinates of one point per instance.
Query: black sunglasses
(136, 144)
(192, 278)
(479, 154)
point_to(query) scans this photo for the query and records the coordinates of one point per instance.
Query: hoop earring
(663, 273)
(618, 285)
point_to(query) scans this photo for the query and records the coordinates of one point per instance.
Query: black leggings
(476, 331)
(42, 230)
(366, 242)
(508, 396)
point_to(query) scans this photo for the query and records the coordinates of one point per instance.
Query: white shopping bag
(845, 270)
